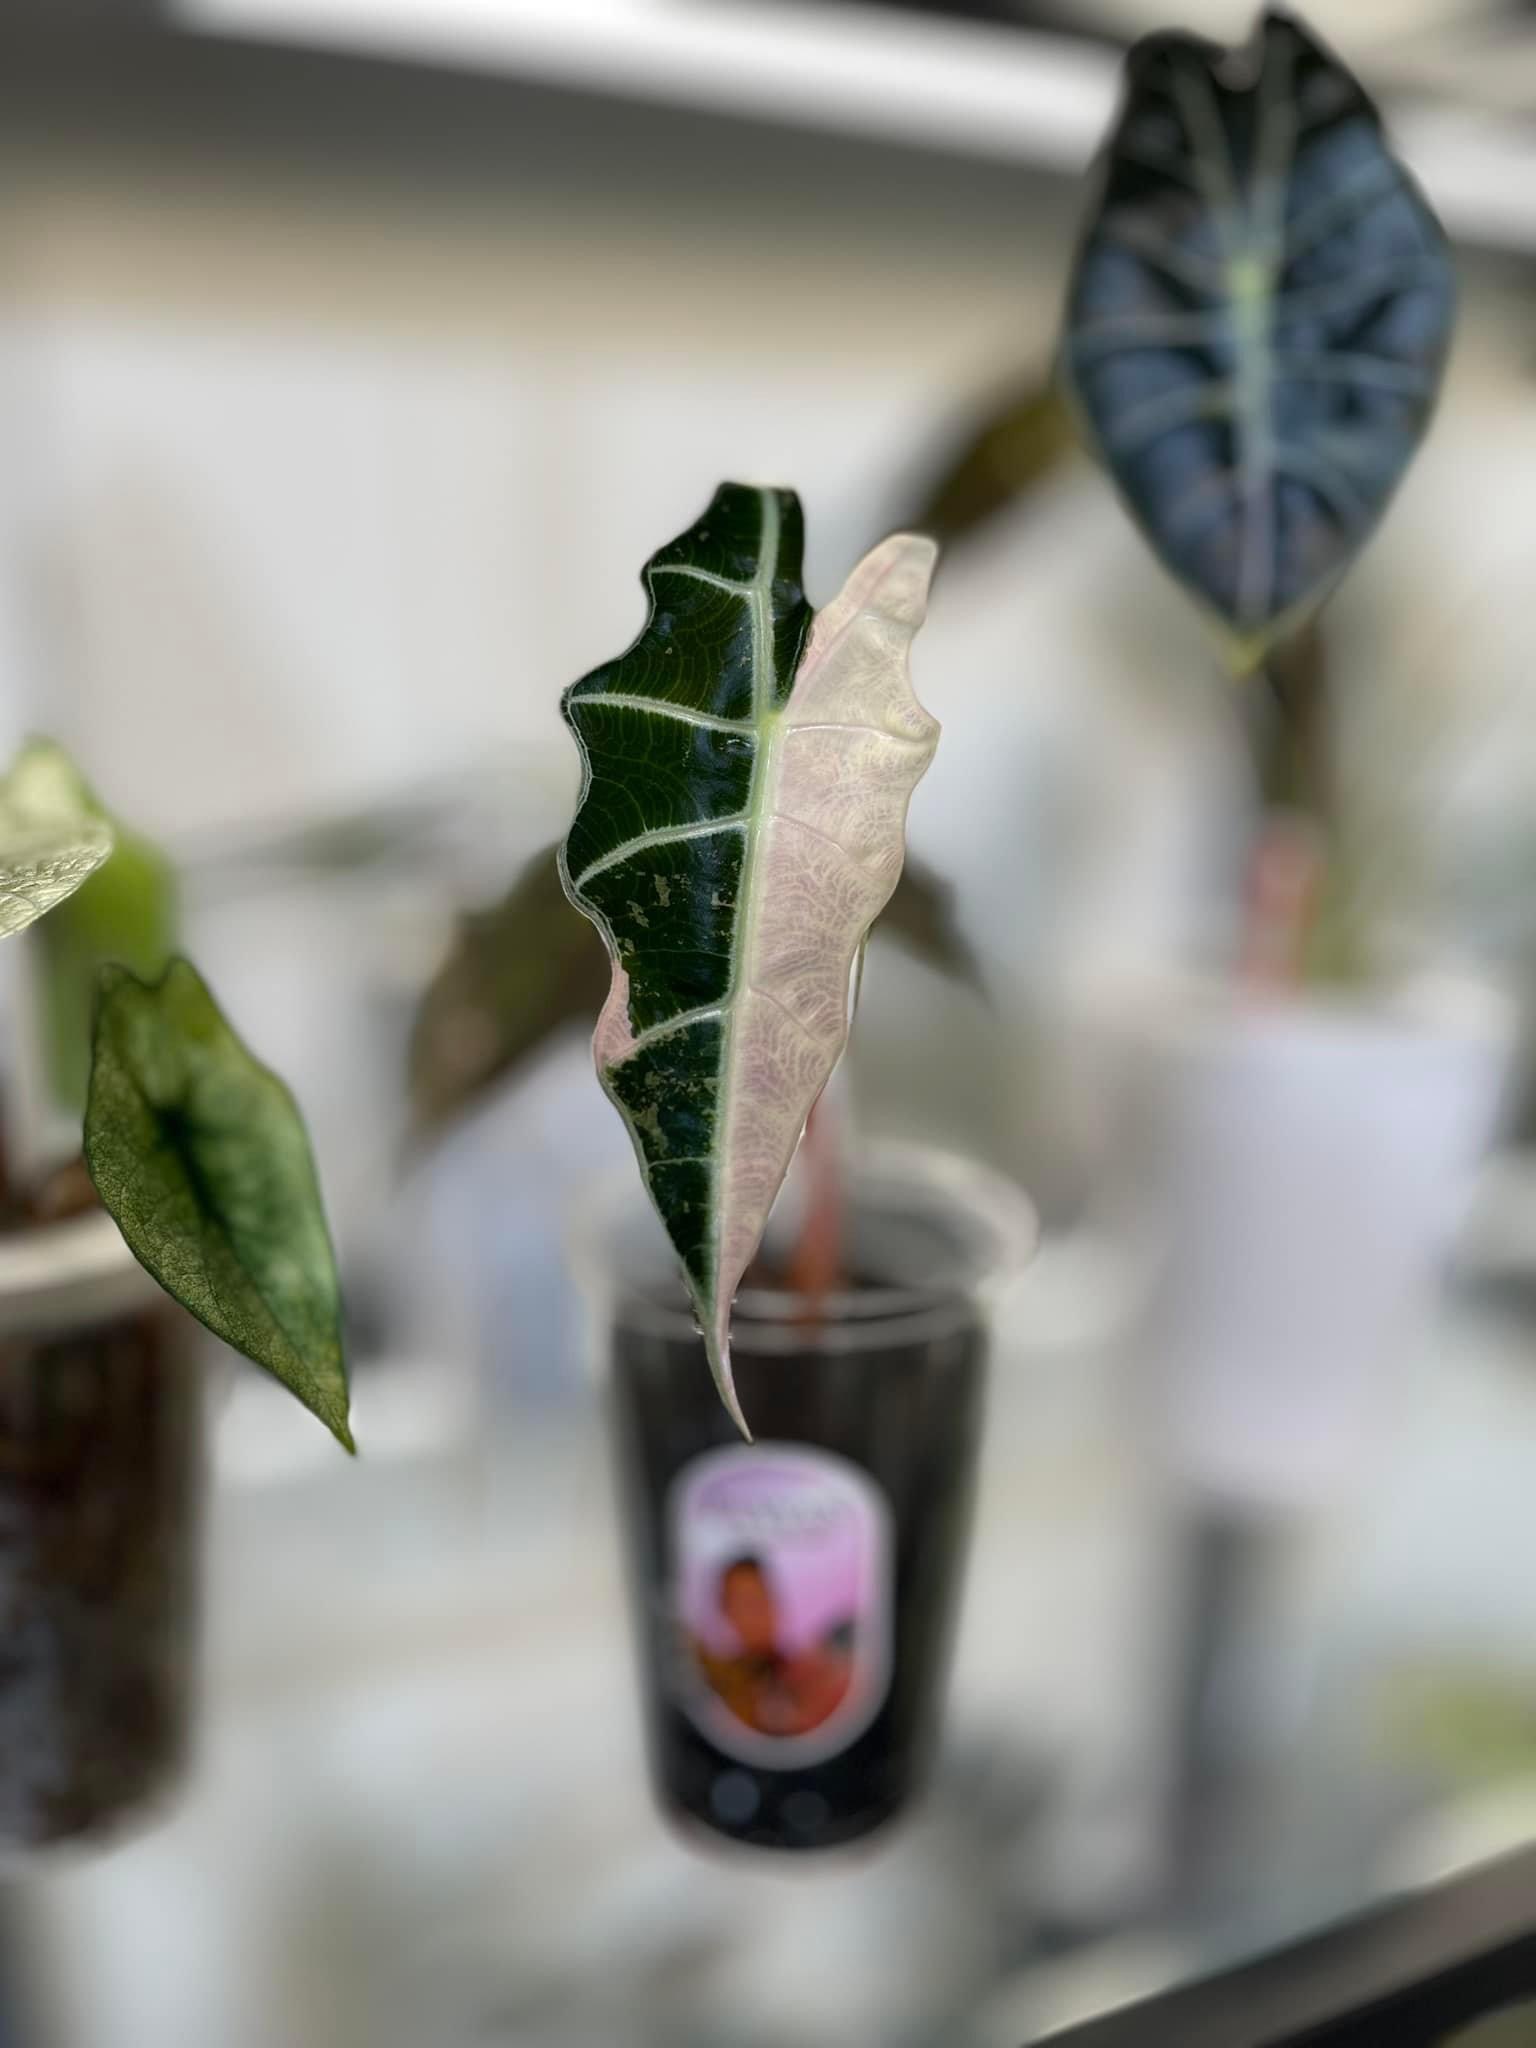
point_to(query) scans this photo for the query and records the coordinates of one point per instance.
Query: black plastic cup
(795, 1598)
(100, 1497)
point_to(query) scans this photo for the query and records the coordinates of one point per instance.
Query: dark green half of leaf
(1258, 319)
(201, 1156)
(531, 966)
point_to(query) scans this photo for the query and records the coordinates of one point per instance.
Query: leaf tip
(330, 1405)
(717, 1344)
(906, 562)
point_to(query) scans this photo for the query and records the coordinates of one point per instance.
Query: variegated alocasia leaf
(51, 840)
(741, 823)
(1258, 320)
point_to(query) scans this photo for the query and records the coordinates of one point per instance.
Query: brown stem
(1289, 729)
(815, 1268)
(1285, 882)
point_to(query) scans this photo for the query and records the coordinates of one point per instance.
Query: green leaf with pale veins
(1258, 320)
(746, 774)
(50, 840)
(201, 1156)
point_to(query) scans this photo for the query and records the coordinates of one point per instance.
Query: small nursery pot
(794, 1598)
(1295, 1168)
(100, 1468)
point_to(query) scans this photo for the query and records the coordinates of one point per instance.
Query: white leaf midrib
(748, 909)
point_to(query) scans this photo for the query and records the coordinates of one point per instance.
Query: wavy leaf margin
(770, 835)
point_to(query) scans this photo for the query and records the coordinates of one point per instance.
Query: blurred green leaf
(1477, 1727)
(515, 975)
(200, 1154)
(127, 912)
(531, 966)
(1010, 450)
(1515, 2027)
(50, 840)
(920, 917)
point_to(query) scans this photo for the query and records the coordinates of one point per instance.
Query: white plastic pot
(1293, 1171)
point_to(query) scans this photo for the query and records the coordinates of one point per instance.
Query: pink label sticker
(781, 1559)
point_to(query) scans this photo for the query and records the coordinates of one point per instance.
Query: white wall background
(343, 404)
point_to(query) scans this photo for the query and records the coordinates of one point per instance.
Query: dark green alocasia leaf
(50, 841)
(530, 967)
(201, 1157)
(746, 775)
(1258, 320)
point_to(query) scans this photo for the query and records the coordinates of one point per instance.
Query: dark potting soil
(907, 1417)
(99, 1500)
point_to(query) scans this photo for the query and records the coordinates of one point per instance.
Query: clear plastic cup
(794, 1598)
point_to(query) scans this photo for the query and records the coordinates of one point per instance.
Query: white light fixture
(961, 86)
